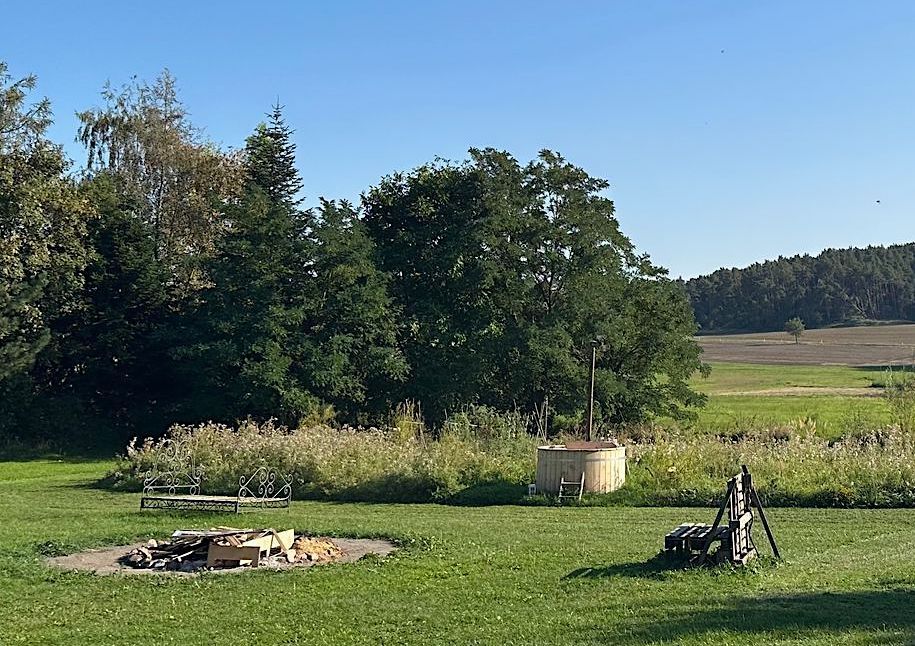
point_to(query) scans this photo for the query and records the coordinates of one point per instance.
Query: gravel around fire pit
(109, 560)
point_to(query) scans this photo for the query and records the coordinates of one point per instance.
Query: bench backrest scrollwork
(263, 485)
(174, 471)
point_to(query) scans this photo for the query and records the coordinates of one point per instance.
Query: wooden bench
(174, 483)
(735, 539)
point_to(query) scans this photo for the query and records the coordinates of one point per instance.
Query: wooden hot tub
(603, 463)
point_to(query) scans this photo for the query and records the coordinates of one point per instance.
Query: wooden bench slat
(732, 532)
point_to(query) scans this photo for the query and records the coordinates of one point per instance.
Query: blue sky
(731, 132)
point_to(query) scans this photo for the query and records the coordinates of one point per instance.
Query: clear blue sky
(731, 132)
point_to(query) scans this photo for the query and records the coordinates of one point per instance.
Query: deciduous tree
(507, 273)
(176, 178)
(42, 228)
(795, 327)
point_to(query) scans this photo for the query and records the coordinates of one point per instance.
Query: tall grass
(481, 456)
(791, 466)
(402, 463)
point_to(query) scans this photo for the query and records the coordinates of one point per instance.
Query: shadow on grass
(404, 490)
(67, 458)
(394, 489)
(489, 494)
(889, 614)
(654, 567)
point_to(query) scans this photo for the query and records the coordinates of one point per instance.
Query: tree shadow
(889, 614)
(400, 489)
(66, 458)
(488, 494)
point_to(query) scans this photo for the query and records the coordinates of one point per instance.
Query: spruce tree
(270, 161)
(259, 295)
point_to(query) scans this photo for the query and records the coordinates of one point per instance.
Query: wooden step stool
(571, 488)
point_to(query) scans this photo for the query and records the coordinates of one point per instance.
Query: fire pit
(192, 550)
(223, 549)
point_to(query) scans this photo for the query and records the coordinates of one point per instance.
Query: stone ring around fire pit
(223, 549)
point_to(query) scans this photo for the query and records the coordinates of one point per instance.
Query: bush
(900, 395)
(346, 464)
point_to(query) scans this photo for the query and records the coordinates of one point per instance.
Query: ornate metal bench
(174, 483)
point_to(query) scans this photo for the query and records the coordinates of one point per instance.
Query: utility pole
(591, 394)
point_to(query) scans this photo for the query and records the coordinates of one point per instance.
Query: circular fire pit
(602, 463)
(111, 560)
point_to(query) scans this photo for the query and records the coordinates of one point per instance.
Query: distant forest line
(838, 286)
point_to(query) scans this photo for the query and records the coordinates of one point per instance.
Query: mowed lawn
(491, 575)
(838, 399)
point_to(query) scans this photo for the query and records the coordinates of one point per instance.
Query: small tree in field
(795, 327)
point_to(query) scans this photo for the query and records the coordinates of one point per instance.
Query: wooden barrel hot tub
(603, 463)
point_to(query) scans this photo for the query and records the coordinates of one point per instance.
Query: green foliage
(181, 282)
(42, 233)
(270, 161)
(42, 229)
(174, 177)
(351, 354)
(506, 273)
(259, 297)
(116, 357)
(900, 396)
(298, 316)
(480, 452)
(21, 127)
(791, 466)
(251, 314)
(487, 424)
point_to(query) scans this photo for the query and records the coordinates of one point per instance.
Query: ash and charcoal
(228, 547)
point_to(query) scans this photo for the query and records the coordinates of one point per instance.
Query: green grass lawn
(489, 575)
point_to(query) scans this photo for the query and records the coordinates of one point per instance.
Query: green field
(838, 399)
(733, 377)
(490, 575)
